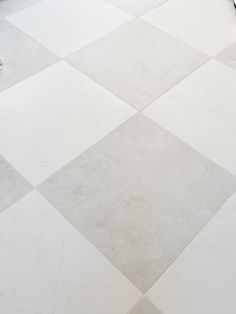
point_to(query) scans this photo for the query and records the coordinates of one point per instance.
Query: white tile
(137, 7)
(208, 25)
(201, 111)
(64, 26)
(50, 118)
(47, 267)
(202, 279)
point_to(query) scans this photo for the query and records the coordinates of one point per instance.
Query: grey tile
(137, 62)
(140, 195)
(228, 55)
(12, 185)
(21, 55)
(11, 6)
(137, 7)
(145, 307)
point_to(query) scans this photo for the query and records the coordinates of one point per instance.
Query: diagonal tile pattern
(139, 207)
(46, 258)
(12, 185)
(61, 114)
(121, 114)
(137, 62)
(208, 25)
(137, 7)
(75, 23)
(203, 277)
(201, 111)
(22, 56)
(145, 307)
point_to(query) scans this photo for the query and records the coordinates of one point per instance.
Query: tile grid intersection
(121, 126)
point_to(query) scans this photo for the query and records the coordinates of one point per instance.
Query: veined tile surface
(47, 267)
(50, 118)
(12, 185)
(139, 195)
(63, 26)
(208, 25)
(201, 111)
(21, 56)
(137, 7)
(120, 114)
(137, 62)
(202, 279)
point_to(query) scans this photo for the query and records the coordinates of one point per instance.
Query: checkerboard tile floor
(117, 157)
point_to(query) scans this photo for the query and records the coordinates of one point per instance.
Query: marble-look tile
(137, 7)
(21, 56)
(137, 62)
(50, 118)
(201, 111)
(145, 307)
(139, 195)
(208, 25)
(69, 24)
(47, 266)
(12, 185)
(228, 55)
(10, 6)
(202, 279)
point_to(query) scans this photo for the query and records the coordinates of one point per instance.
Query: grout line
(193, 238)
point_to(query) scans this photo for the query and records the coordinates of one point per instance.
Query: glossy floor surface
(117, 157)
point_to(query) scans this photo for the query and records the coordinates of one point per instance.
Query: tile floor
(117, 157)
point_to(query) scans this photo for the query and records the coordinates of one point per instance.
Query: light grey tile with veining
(137, 62)
(139, 195)
(21, 56)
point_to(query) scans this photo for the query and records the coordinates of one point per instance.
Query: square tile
(228, 55)
(202, 279)
(69, 25)
(137, 7)
(208, 25)
(10, 6)
(137, 62)
(12, 185)
(139, 195)
(145, 307)
(21, 56)
(46, 266)
(50, 118)
(201, 111)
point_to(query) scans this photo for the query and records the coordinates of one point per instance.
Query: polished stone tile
(145, 307)
(137, 7)
(139, 195)
(208, 25)
(228, 55)
(20, 55)
(137, 62)
(202, 279)
(64, 26)
(201, 111)
(12, 185)
(10, 6)
(50, 118)
(47, 266)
